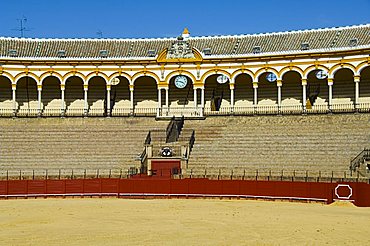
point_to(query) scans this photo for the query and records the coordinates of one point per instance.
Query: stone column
(330, 84)
(132, 99)
(86, 88)
(232, 98)
(159, 101)
(39, 90)
(255, 96)
(195, 98)
(202, 101)
(356, 79)
(14, 88)
(108, 100)
(63, 105)
(304, 94)
(279, 84)
(167, 100)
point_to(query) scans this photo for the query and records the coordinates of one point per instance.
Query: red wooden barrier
(358, 193)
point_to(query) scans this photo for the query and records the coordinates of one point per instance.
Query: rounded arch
(7, 75)
(238, 72)
(289, 69)
(50, 74)
(72, 74)
(179, 72)
(214, 72)
(313, 68)
(337, 67)
(361, 67)
(265, 70)
(97, 74)
(142, 74)
(26, 74)
(119, 74)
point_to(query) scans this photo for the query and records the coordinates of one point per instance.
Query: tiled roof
(237, 45)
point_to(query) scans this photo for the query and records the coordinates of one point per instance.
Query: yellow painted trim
(213, 72)
(72, 74)
(121, 74)
(162, 57)
(339, 66)
(50, 74)
(313, 68)
(7, 75)
(240, 71)
(143, 74)
(26, 74)
(97, 74)
(180, 72)
(263, 70)
(362, 66)
(290, 68)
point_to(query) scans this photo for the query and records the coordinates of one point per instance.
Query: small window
(61, 53)
(305, 46)
(353, 42)
(256, 49)
(271, 77)
(13, 53)
(103, 53)
(151, 53)
(207, 51)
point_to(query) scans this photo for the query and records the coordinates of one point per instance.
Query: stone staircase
(316, 143)
(73, 143)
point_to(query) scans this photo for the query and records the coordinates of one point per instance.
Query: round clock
(321, 74)
(181, 81)
(222, 79)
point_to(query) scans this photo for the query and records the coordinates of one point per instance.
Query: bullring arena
(239, 120)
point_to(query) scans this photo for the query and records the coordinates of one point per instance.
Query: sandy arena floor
(114, 221)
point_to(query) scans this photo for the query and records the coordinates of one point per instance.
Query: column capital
(279, 83)
(131, 87)
(39, 87)
(86, 87)
(304, 81)
(255, 84)
(14, 87)
(62, 87)
(356, 78)
(108, 87)
(232, 85)
(330, 81)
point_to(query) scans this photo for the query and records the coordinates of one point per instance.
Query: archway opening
(120, 97)
(51, 95)
(343, 87)
(365, 87)
(26, 96)
(180, 92)
(291, 90)
(243, 91)
(267, 90)
(96, 96)
(6, 98)
(74, 96)
(317, 89)
(145, 94)
(216, 94)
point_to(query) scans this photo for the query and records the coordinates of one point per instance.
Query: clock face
(222, 79)
(181, 81)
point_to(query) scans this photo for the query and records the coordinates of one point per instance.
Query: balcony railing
(189, 111)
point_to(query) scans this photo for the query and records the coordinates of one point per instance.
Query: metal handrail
(355, 162)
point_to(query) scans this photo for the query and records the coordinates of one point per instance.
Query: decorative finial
(185, 33)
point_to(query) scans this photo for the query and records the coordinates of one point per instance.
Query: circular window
(321, 74)
(222, 79)
(166, 152)
(271, 77)
(181, 81)
(115, 81)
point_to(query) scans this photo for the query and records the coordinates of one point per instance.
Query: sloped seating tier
(73, 143)
(315, 143)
